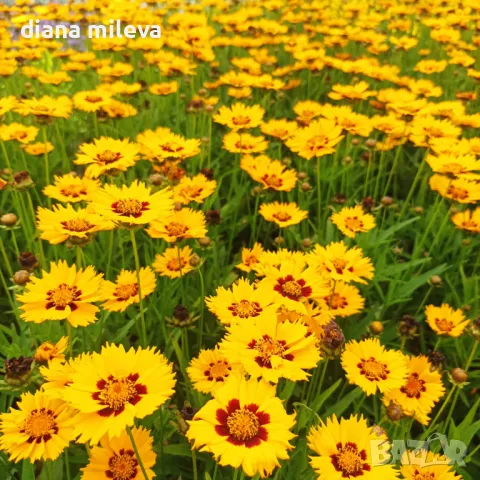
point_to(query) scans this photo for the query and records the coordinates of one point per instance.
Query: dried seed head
(18, 371)
(28, 261)
(408, 327)
(437, 360)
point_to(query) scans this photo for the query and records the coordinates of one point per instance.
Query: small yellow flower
(353, 220)
(445, 320)
(283, 214)
(48, 351)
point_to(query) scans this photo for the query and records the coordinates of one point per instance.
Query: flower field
(246, 249)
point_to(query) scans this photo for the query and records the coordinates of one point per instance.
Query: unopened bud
(387, 201)
(205, 242)
(376, 327)
(8, 219)
(459, 375)
(307, 242)
(435, 280)
(21, 277)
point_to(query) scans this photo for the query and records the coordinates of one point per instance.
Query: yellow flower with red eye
(238, 142)
(283, 214)
(91, 100)
(71, 188)
(39, 148)
(131, 205)
(64, 293)
(250, 256)
(45, 107)
(48, 351)
(358, 91)
(125, 291)
(460, 190)
(240, 116)
(18, 132)
(468, 220)
(180, 225)
(165, 88)
(444, 320)
(353, 220)
(195, 189)
(173, 262)
(107, 155)
(281, 128)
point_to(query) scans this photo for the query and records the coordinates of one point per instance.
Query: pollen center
(218, 370)
(129, 207)
(457, 193)
(123, 466)
(243, 424)
(373, 369)
(353, 223)
(176, 229)
(77, 225)
(349, 460)
(337, 301)
(272, 180)
(414, 386)
(282, 216)
(62, 296)
(317, 142)
(117, 392)
(292, 288)
(108, 156)
(39, 424)
(423, 475)
(241, 120)
(245, 309)
(73, 191)
(93, 98)
(443, 324)
(124, 292)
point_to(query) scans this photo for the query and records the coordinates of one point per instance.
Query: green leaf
(344, 403)
(416, 282)
(181, 450)
(123, 332)
(320, 400)
(385, 235)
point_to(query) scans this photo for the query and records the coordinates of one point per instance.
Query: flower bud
(394, 412)
(387, 201)
(376, 327)
(459, 376)
(307, 242)
(195, 260)
(306, 186)
(8, 219)
(21, 277)
(435, 280)
(333, 340)
(205, 242)
(371, 143)
(28, 261)
(156, 179)
(302, 175)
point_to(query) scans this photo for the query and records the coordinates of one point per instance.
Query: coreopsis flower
(48, 351)
(39, 148)
(316, 140)
(111, 388)
(372, 367)
(344, 450)
(173, 262)
(131, 205)
(118, 69)
(306, 111)
(453, 164)
(7, 104)
(40, 429)
(281, 128)
(209, 371)
(250, 256)
(71, 188)
(283, 214)
(390, 124)
(182, 224)
(45, 107)
(165, 88)
(338, 262)
(107, 155)
(343, 300)
(242, 301)
(195, 189)
(116, 109)
(468, 220)
(420, 391)
(293, 285)
(91, 100)
(431, 66)
(57, 375)
(271, 174)
(458, 189)
(54, 78)
(245, 425)
(353, 220)
(65, 223)
(18, 132)
(271, 261)
(425, 128)
(358, 91)
(237, 142)
(240, 116)
(115, 458)
(64, 293)
(270, 349)
(445, 320)
(427, 464)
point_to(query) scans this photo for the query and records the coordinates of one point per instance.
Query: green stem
(319, 200)
(194, 462)
(140, 298)
(202, 308)
(135, 449)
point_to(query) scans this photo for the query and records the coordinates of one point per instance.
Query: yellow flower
(358, 91)
(119, 295)
(7, 104)
(133, 205)
(239, 116)
(307, 110)
(372, 367)
(281, 128)
(64, 223)
(107, 155)
(165, 88)
(445, 320)
(71, 188)
(283, 214)
(117, 109)
(39, 148)
(468, 220)
(112, 388)
(337, 262)
(235, 142)
(195, 189)
(40, 429)
(91, 100)
(45, 107)
(316, 140)
(431, 66)
(245, 425)
(240, 302)
(250, 257)
(453, 164)
(64, 293)
(173, 262)
(352, 220)
(343, 300)
(344, 450)
(115, 458)
(423, 464)
(209, 371)
(48, 351)
(270, 173)
(18, 132)
(422, 388)
(182, 224)
(459, 190)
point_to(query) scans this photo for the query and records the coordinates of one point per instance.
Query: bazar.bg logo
(419, 452)
(114, 29)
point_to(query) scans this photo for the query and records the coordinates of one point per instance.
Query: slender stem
(202, 308)
(319, 199)
(442, 408)
(135, 449)
(67, 465)
(140, 298)
(95, 124)
(182, 286)
(45, 158)
(194, 461)
(412, 189)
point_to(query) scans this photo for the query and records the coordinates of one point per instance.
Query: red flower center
(349, 461)
(293, 289)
